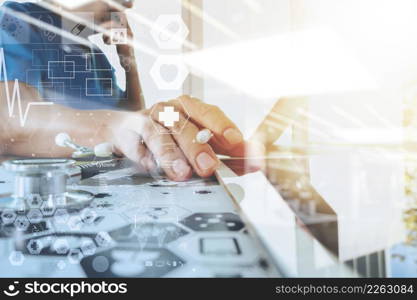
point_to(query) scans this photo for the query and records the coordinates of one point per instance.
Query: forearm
(43, 123)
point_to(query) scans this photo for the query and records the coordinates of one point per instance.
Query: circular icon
(61, 246)
(21, 223)
(16, 258)
(12, 26)
(61, 216)
(34, 215)
(61, 264)
(8, 216)
(100, 264)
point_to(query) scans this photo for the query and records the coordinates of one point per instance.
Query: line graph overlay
(11, 101)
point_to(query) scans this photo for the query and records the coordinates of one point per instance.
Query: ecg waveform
(11, 101)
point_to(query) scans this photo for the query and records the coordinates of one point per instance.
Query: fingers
(130, 144)
(209, 116)
(201, 156)
(146, 142)
(164, 150)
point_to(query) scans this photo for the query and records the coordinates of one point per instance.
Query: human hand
(144, 139)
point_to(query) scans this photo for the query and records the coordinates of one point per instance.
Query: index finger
(211, 117)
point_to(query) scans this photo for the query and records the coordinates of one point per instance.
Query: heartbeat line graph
(11, 101)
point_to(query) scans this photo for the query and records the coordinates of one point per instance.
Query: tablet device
(291, 220)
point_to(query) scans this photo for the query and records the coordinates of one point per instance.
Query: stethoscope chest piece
(45, 181)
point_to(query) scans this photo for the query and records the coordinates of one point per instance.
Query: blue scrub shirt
(73, 75)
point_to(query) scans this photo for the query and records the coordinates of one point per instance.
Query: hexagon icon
(34, 215)
(75, 223)
(213, 222)
(169, 213)
(48, 208)
(170, 118)
(61, 246)
(169, 72)
(8, 216)
(34, 200)
(34, 247)
(88, 247)
(169, 31)
(88, 215)
(75, 256)
(103, 239)
(21, 223)
(149, 234)
(16, 258)
(61, 216)
(225, 248)
(158, 234)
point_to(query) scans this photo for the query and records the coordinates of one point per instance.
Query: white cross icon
(169, 116)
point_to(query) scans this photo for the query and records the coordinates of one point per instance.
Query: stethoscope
(47, 178)
(44, 179)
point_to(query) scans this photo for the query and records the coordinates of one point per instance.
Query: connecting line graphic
(23, 115)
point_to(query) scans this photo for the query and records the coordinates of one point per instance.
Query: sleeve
(17, 40)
